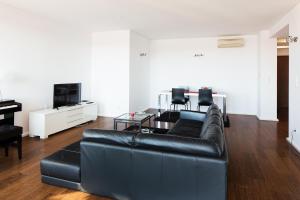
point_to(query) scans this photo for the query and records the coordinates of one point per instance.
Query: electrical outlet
(1, 117)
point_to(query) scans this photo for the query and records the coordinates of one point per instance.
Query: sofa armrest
(192, 115)
(122, 138)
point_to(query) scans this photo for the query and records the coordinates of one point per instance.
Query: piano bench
(10, 134)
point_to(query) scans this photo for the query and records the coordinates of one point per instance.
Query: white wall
(120, 76)
(110, 72)
(292, 19)
(267, 77)
(35, 53)
(139, 73)
(233, 71)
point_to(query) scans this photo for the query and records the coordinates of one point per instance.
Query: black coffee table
(138, 119)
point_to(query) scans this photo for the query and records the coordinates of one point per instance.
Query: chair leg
(6, 150)
(19, 148)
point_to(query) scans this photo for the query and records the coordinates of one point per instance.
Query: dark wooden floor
(262, 165)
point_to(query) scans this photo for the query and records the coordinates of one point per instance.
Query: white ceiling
(163, 18)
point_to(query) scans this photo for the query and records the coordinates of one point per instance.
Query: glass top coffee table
(136, 119)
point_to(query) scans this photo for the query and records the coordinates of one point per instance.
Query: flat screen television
(66, 94)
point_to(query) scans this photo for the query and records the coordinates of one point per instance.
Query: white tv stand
(43, 123)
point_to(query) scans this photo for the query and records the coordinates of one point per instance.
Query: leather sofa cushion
(75, 147)
(62, 165)
(10, 131)
(176, 144)
(187, 128)
(192, 115)
(212, 107)
(214, 112)
(215, 135)
(123, 138)
(211, 119)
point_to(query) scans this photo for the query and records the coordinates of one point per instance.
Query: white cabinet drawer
(75, 122)
(55, 123)
(75, 117)
(75, 112)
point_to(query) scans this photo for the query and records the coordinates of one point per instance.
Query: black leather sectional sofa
(188, 163)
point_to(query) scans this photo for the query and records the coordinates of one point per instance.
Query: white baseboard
(267, 119)
(25, 134)
(293, 144)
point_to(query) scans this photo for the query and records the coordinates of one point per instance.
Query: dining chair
(178, 98)
(205, 98)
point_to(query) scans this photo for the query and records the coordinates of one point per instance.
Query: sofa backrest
(177, 144)
(212, 107)
(213, 128)
(215, 110)
(211, 141)
(211, 119)
(210, 144)
(215, 135)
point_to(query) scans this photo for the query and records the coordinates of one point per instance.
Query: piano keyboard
(7, 110)
(7, 107)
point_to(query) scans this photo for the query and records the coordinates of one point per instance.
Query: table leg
(114, 125)
(159, 103)
(167, 101)
(140, 127)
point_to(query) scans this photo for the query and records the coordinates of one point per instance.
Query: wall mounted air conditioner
(231, 43)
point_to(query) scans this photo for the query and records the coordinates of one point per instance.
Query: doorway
(283, 80)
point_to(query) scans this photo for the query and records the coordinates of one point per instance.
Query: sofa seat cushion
(10, 131)
(187, 128)
(62, 165)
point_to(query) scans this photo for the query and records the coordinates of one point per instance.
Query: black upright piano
(7, 111)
